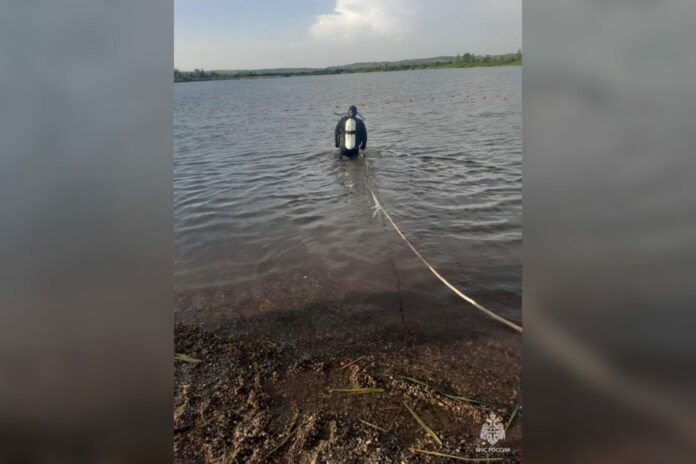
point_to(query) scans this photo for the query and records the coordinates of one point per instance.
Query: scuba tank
(349, 133)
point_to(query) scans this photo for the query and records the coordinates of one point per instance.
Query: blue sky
(234, 34)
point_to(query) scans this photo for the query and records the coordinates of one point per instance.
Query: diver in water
(351, 134)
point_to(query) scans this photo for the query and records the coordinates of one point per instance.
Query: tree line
(466, 60)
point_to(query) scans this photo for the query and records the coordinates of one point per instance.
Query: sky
(235, 34)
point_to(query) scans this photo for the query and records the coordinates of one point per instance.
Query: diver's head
(352, 111)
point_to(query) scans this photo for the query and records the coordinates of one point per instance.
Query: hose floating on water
(474, 303)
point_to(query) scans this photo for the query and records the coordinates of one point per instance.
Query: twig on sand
(185, 358)
(352, 362)
(291, 430)
(373, 425)
(512, 416)
(356, 390)
(424, 425)
(451, 456)
(444, 393)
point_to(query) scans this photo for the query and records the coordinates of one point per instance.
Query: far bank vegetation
(466, 60)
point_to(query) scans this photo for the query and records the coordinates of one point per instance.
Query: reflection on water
(269, 215)
(355, 174)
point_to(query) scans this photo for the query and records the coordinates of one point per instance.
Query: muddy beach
(263, 388)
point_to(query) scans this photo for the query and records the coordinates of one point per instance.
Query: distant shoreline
(460, 61)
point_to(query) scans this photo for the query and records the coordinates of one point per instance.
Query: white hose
(474, 303)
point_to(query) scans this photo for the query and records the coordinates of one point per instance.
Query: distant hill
(365, 65)
(416, 61)
(266, 71)
(459, 61)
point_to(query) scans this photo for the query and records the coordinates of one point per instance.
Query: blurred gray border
(609, 121)
(86, 235)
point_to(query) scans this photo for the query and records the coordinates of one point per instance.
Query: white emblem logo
(493, 430)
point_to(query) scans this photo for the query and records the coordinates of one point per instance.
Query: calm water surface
(269, 216)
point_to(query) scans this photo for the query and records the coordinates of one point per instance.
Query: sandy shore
(261, 391)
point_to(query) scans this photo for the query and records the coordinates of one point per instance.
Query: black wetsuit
(360, 137)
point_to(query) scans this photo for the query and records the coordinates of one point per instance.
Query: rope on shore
(474, 303)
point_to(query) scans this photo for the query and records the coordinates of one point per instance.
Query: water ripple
(261, 198)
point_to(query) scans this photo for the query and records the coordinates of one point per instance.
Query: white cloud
(353, 19)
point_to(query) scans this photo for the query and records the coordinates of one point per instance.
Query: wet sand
(261, 391)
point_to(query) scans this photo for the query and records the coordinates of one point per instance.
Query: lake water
(268, 216)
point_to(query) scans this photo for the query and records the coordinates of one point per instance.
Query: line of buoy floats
(466, 98)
